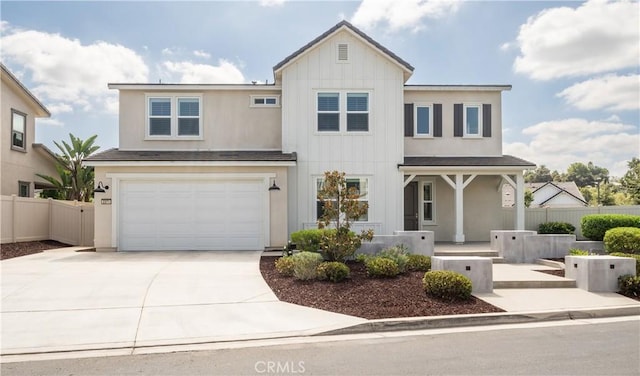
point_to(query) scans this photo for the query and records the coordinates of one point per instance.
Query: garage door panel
(204, 215)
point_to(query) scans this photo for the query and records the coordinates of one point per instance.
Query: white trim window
(170, 117)
(265, 101)
(423, 120)
(24, 189)
(18, 130)
(360, 184)
(472, 120)
(343, 111)
(427, 200)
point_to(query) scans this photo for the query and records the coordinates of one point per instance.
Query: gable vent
(343, 52)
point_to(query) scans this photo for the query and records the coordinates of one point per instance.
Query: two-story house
(239, 166)
(21, 158)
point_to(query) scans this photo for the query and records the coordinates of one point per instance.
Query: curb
(454, 321)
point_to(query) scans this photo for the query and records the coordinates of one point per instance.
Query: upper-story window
(18, 130)
(343, 111)
(472, 120)
(174, 116)
(423, 125)
(265, 101)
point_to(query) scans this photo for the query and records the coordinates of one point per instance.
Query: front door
(411, 207)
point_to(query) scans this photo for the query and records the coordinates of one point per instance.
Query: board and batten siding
(374, 155)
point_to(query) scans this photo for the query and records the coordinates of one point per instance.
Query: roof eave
(40, 109)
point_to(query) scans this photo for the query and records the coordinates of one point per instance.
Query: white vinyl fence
(29, 219)
(535, 216)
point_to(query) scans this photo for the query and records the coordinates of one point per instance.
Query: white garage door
(201, 215)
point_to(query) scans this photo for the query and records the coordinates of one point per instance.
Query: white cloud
(611, 92)
(59, 108)
(596, 37)
(190, 73)
(202, 54)
(69, 74)
(401, 14)
(558, 143)
(167, 51)
(50, 122)
(271, 3)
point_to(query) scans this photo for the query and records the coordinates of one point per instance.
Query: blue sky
(574, 66)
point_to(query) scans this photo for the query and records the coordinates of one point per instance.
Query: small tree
(340, 207)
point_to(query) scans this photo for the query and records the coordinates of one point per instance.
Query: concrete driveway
(65, 300)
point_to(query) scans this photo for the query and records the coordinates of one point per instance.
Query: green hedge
(333, 271)
(594, 226)
(622, 239)
(556, 228)
(447, 285)
(629, 286)
(308, 240)
(381, 267)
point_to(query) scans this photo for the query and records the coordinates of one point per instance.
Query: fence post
(50, 208)
(14, 221)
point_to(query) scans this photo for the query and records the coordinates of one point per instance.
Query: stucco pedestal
(478, 269)
(598, 273)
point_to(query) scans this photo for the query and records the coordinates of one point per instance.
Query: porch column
(459, 205)
(519, 225)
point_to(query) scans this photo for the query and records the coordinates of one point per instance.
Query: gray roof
(331, 31)
(115, 155)
(505, 160)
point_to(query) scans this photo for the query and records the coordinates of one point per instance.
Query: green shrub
(305, 265)
(578, 252)
(362, 257)
(333, 271)
(637, 257)
(380, 267)
(309, 240)
(629, 285)
(622, 239)
(341, 244)
(284, 266)
(419, 263)
(447, 285)
(594, 226)
(398, 254)
(556, 228)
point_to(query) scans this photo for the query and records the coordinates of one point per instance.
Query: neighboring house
(21, 158)
(195, 162)
(549, 195)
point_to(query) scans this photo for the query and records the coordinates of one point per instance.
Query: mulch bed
(11, 250)
(365, 297)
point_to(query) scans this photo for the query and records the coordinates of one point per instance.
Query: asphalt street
(576, 347)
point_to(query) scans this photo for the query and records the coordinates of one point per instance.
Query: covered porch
(460, 198)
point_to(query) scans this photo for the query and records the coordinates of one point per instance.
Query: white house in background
(21, 159)
(549, 195)
(195, 162)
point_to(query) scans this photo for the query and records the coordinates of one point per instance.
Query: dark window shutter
(457, 120)
(437, 120)
(486, 120)
(408, 119)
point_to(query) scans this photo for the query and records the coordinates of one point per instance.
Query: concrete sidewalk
(63, 300)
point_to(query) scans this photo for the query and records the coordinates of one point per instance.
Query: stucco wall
(104, 230)
(447, 145)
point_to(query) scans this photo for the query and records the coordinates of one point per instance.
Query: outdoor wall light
(274, 187)
(101, 188)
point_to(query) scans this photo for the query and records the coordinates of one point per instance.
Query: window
(428, 212)
(24, 188)
(472, 120)
(423, 120)
(18, 130)
(359, 185)
(265, 101)
(171, 116)
(343, 111)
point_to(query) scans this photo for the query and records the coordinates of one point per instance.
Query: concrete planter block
(546, 246)
(478, 269)
(510, 244)
(598, 273)
(418, 242)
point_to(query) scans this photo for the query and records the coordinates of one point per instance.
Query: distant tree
(630, 182)
(540, 175)
(75, 181)
(528, 198)
(589, 174)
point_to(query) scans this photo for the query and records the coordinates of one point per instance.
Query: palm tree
(76, 180)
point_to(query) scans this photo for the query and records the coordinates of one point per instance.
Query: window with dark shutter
(458, 116)
(408, 119)
(486, 120)
(437, 120)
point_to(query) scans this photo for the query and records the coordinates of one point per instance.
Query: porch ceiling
(499, 163)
